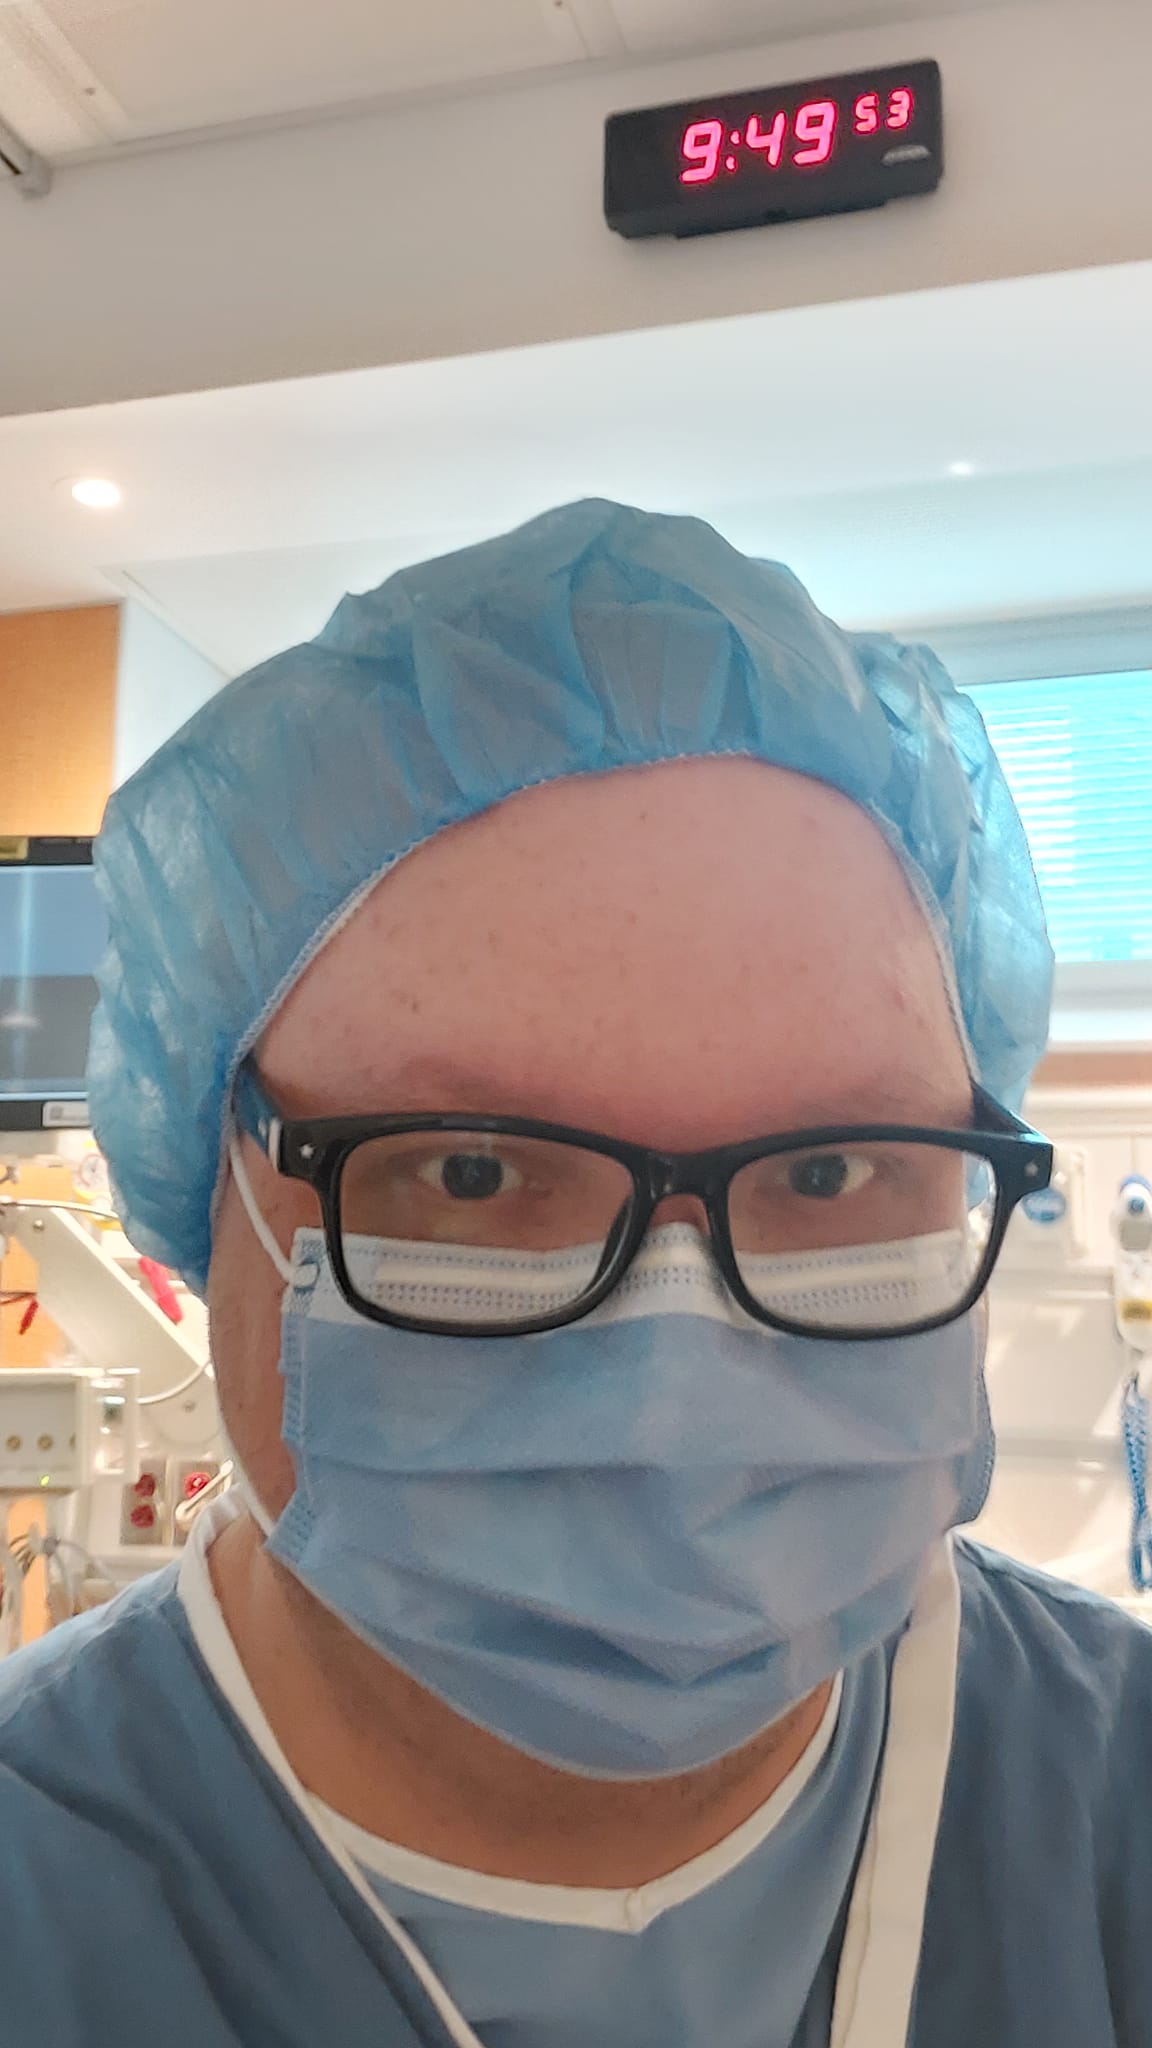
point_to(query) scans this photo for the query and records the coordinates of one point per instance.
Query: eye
(821, 1176)
(470, 1176)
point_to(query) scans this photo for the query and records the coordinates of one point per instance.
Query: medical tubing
(1134, 1422)
(11, 1595)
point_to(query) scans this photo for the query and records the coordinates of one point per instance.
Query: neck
(377, 1748)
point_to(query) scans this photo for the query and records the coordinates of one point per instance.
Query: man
(568, 1020)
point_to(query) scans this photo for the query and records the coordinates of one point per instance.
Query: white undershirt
(625, 1912)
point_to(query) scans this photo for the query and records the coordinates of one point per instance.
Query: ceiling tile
(652, 27)
(176, 64)
(47, 93)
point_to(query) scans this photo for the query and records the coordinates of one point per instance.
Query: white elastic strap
(240, 1176)
(255, 1506)
(884, 1937)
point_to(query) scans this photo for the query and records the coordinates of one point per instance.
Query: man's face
(682, 955)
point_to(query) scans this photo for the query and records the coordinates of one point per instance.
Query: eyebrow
(430, 1083)
(877, 1100)
(427, 1079)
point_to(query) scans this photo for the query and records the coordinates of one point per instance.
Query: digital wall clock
(750, 159)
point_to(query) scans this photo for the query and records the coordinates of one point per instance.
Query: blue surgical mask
(629, 1545)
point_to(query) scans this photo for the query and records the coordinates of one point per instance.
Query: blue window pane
(1077, 753)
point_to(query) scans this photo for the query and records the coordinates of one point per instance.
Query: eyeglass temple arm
(254, 1113)
(992, 1115)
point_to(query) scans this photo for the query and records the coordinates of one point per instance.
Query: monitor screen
(52, 933)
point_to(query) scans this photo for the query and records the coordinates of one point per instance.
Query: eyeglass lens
(468, 1228)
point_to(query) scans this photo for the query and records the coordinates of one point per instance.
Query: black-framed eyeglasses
(496, 1226)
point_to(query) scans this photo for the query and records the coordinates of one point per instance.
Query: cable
(31, 1303)
(11, 1598)
(73, 1208)
(172, 1393)
(44, 1543)
(53, 1558)
(1134, 1423)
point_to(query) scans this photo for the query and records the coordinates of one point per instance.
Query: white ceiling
(897, 558)
(77, 75)
(822, 436)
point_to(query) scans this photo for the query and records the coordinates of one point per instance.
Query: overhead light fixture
(961, 469)
(98, 493)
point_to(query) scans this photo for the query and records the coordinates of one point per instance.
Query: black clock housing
(784, 153)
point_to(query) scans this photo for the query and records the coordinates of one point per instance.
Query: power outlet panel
(145, 1504)
(45, 1415)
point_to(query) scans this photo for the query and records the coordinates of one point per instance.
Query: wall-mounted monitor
(52, 933)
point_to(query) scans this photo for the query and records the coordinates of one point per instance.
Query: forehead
(677, 953)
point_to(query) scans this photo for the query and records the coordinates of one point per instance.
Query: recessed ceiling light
(961, 469)
(99, 493)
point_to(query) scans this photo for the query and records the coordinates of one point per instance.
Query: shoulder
(1047, 1622)
(86, 1727)
(93, 1715)
(1057, 1678)
(154, 1879)
(58, 1681)
(1035, 1927)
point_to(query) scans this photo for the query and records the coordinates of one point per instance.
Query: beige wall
(1094, 1070)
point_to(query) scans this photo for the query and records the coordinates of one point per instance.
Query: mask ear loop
(265, 1522)
(263, 1232)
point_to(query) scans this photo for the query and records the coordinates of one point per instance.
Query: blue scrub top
(747, 1960)
(156, 1880)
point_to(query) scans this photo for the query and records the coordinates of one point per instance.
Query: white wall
(1056, 1366)
(160, 683)
(442, 229)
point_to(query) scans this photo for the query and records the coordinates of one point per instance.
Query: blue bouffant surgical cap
(596, 637)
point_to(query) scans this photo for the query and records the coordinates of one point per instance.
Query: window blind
(1077, 754)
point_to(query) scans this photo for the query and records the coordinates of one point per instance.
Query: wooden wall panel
(57, 718)
(1095, 1070)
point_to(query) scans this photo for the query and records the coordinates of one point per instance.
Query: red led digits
(700, 149)
(814, 131)
(815, 126)
(770, 140)
(897, 114)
